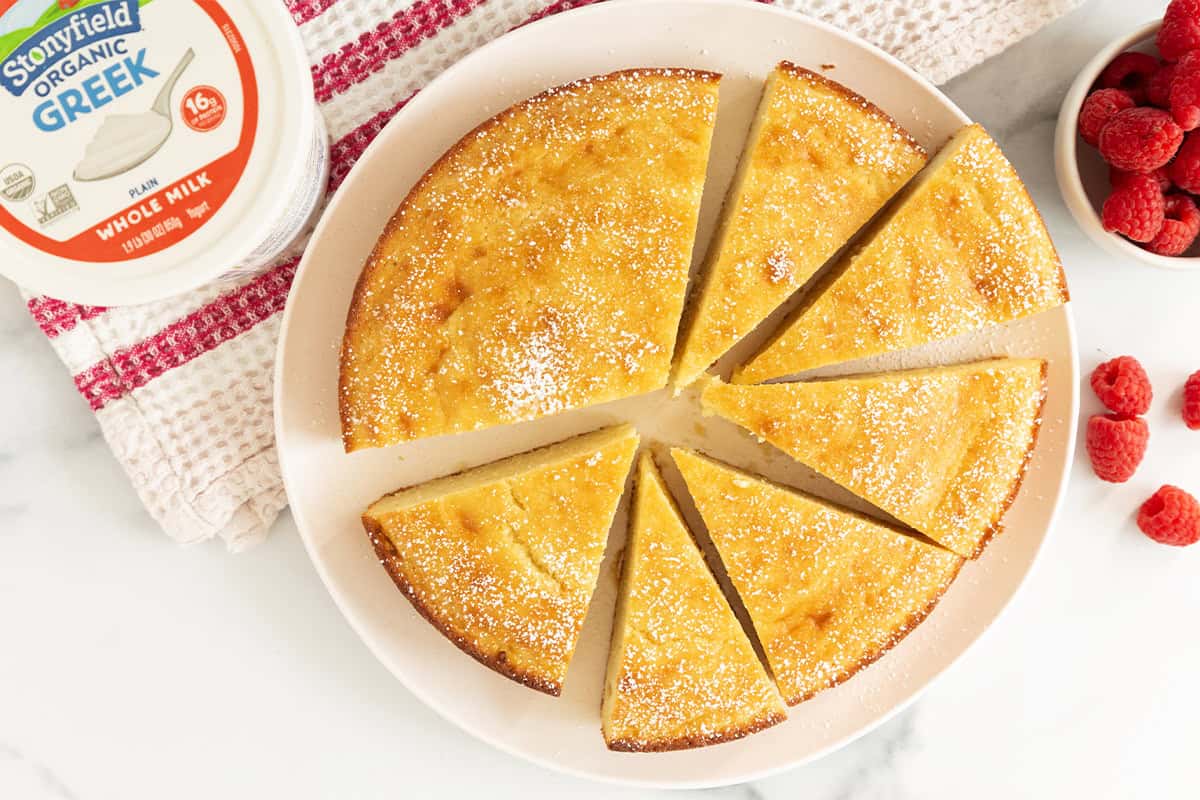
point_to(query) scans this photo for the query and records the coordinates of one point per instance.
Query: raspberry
(1191, 402)
(1122, 386)
(1130, 72)
(1181, 226)
(1135, 209)
(1116, 445)
(1184, 171)
(1171, 516)
(1140, 139)
(1158, 88)
(1098, 109)
(1185, 92)
(1180, 31)
(1117, 176)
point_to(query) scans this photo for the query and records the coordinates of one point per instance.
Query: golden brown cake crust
(681, 671)
(818, 163)
(389, 558)
(632, 358)
(503, 559)
(688, 742)
(870, 658)
(962, 246)
(853, 97)
(868, 432)
(997, 526)
(853, 587)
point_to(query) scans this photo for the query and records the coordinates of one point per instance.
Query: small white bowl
(1082, 173)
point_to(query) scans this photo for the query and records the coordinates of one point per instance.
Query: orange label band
(157, 218)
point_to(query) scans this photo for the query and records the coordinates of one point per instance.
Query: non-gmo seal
(16, 182)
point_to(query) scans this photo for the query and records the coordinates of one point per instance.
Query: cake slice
(503, 559)
(828, 590)
(943, 450)
(818, 164)
(963, 246)
(681, 672)
(539, 266)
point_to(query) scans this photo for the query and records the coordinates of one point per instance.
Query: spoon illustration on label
(126, 140)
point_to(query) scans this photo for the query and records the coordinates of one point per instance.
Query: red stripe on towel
(356, 61)
(225, 318)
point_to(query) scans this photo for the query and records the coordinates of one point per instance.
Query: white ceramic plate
(329, 489)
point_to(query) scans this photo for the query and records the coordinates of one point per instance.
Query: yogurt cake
(828, 590)
(681, 673)
(818, 164)
(943, 449)
(540, 265)
(503, 559)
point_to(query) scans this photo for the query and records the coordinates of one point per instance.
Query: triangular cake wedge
(961, 247)
(828, 590)
(540, 265)
(818, 164)
(681, 672)
(503, 559)
(943, 450)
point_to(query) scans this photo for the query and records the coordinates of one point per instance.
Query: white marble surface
(130, 668)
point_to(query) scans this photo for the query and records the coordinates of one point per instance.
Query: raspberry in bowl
(1127, 146)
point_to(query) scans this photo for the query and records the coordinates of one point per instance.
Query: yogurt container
(150, 146)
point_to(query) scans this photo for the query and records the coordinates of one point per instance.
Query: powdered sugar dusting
(506, 569)
(941, 449)
(684, 673)
(539, 266)
(966, 248)
(827, 590)
(820, 162)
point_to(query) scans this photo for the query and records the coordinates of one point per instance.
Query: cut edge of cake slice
(654, 700)
(734, 503)
(803, 342)
(746, 406)
(435, 343)
(610, 448)
(700, 343)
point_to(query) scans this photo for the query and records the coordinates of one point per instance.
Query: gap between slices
(504, 563)
(499, 561)
(681, 671)
(818, 163)
(941, 449)
(828, 590)
(961, 247)
(540, 265)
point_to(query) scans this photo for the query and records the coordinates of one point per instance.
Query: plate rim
(342, 603)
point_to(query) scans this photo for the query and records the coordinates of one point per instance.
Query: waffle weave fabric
(182, 388)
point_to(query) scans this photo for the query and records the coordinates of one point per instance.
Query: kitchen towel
(182, 388)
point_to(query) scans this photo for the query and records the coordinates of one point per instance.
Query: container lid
(150, 145)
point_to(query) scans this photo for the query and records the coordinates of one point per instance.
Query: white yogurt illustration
(126, 140)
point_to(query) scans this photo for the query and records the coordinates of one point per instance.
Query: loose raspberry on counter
(1185, 92)
(1158, 88)
(1171, 516)
(1130, 72)
(1135, 209)
(1117, 176)
(1191, 401)
(1181, 226)
(1116, 446)
(1184, 171)
(1100, 107)
(1180, 31)
(1123, 386)
(1140, 139)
